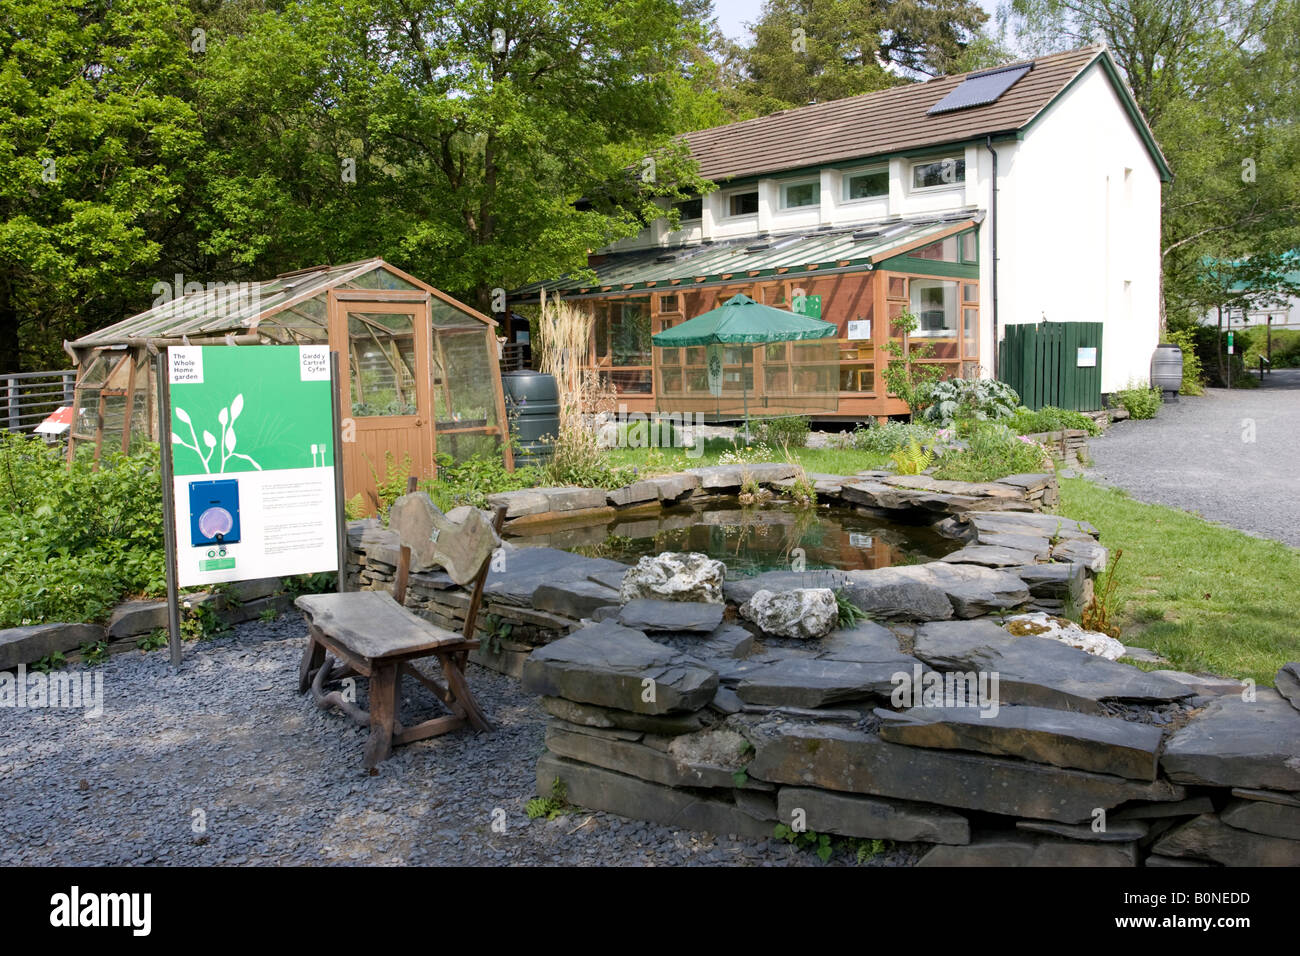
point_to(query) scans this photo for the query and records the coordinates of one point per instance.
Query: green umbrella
(742, 321)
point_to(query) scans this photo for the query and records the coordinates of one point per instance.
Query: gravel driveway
(1232, 455)
(277, 781)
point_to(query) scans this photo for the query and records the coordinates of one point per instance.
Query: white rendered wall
(1079, 228)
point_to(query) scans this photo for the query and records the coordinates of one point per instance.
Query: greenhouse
(422, 368)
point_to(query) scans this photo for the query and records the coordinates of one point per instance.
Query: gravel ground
(1195, 455)
(280, 782)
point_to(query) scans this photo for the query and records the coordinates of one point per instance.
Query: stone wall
(1070, 447)
(238, 602)
(705, 712)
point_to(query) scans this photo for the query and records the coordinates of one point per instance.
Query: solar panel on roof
(980, 89)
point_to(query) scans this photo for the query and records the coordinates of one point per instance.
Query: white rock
(1067, 632)
(801, 612)
(673, 576)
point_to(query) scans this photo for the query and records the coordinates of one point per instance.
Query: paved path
(1233, 456)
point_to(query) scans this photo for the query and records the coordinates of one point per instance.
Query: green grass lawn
(830, 461)
(1208, 598)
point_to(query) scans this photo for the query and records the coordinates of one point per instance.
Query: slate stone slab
(635, 493)
(1038, 547)
(1023, 849)
(608, 718)
(1191, 807)
(527, 569)
(1233, 743)
(1287, 683)
(1059, 581)
(608, 665)
(848, 760)
(595, 788)
(871, 818)
(899, 598)
(649, 614)
(637, 760)
(800, 682)
(25, 645)
(1088, 553)
(913, 591)
(1023, 522)
(1039, 672)
(866, 641)
(1268, 819)
(573, 599)
(675, 487)
(1058, 737)
(1205, 684)
(1114, 832)
(521, 503)
(1155, 859)
(741, 590)
(1209, 838)
(134, 618)
(990, 556)
(1268, 796)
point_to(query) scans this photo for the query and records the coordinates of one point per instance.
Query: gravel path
(1232, 456)
(280, 782)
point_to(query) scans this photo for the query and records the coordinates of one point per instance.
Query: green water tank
(533, 407)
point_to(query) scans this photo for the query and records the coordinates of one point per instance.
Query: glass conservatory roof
(222, 308)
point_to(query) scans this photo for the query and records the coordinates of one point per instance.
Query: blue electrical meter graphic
(214, 513)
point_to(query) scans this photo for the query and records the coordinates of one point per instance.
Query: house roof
(751, 258)
(897, 120)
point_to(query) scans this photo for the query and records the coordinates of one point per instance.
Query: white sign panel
(1087, 358)
(859, 329)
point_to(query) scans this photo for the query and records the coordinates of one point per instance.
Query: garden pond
(753, 539)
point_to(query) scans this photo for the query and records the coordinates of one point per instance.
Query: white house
(975, 201)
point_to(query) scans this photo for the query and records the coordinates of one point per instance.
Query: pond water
(749, 540)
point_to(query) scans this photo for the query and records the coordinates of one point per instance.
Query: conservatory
(422, 368)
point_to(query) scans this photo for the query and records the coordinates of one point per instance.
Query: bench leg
(313, 656)
(383, 714)
(459, 689)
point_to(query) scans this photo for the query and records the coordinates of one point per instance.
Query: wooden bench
(373, 635)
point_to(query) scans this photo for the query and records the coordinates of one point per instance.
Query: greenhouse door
(385, 361)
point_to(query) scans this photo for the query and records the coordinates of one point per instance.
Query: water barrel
(533, 407)
(1167, 370)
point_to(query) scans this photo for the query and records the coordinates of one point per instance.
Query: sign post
(252, 471)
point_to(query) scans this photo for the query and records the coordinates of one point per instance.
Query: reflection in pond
(754, 539)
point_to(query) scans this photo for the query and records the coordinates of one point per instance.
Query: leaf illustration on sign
(226, 418)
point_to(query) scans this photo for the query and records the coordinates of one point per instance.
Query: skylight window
(980, 89)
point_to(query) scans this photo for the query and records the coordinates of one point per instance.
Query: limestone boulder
(674, 576)
(802, 613)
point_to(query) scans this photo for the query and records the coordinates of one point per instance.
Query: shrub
(1049, 418)
(469, 482)
(905, 375)
(961, 399)
(1140, 401)
(993, 451)
(1193, 372)
(789, 432)
(888, 438)
(76, 540)
(579, 460)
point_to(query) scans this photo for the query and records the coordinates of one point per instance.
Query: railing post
(69, 386)
(13, 421)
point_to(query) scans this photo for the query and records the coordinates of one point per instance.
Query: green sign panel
(252, 446)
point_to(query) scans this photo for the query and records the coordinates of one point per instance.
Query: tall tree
(1217, 81)
(454, 137)
(95, 131)
(817, 50)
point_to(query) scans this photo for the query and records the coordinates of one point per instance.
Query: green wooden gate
(1049, 363)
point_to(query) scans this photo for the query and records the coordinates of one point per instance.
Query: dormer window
(866, 183)
(798, 195)
(690, 210)
(743, 203)
(939, 172)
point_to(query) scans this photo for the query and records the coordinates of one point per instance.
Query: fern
(911, 459)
